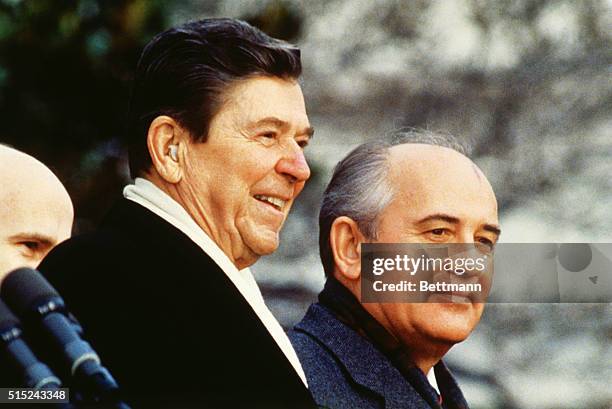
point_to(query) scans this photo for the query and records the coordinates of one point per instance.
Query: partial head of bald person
(36, 212)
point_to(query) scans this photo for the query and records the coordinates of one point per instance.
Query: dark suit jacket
(345, 370)
(165, 319)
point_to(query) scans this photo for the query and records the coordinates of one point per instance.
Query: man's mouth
(276, 202)
(455, 297)
(462, 299)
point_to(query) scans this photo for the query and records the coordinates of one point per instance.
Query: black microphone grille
(24, 289)
(7, 318)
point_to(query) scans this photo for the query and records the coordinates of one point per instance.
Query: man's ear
(164, 141)
(345, 239)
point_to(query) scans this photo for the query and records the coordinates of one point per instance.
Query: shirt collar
(156, 200)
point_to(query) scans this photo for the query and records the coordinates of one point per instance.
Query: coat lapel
(366, 365)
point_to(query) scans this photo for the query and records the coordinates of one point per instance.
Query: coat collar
(365, 364)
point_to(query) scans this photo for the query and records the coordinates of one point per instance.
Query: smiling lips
(457, 297)
(276, 202)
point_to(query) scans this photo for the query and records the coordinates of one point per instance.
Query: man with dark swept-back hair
(183, 73)
(217, 129)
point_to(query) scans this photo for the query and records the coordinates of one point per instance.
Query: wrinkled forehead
(264, 94)
(439, 177)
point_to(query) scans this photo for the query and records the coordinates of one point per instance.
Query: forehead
(260, 97)
(431, 179)
(33, 200)
(27, 213)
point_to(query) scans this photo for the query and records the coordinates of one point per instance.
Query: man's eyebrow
(492, 228)
(440, 216)
(271, 120)
(454, 220)
(279, 123)
(37, 237)
(308, 131)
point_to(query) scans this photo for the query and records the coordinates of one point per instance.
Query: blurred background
(526, 82)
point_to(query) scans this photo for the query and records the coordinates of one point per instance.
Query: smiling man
(420, 188)
(35, 211)
(217, 132)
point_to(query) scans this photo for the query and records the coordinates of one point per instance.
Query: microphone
(35, 373)
(32, 298)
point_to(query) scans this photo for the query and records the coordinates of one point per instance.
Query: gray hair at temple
(359, 187)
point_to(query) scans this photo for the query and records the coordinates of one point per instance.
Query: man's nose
(465, 244)
(293, 164)
(465, 236)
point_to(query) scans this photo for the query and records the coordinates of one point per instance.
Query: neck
(425, 360)
(239, 255)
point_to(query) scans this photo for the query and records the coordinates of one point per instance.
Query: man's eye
(440, 234)
(31, 245)
(302, 144)
(486, 242)
(267, 138)
(31, 248)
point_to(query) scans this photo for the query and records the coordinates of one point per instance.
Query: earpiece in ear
(173, 152)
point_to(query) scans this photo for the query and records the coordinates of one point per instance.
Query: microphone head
(25, 289)
(8, 320)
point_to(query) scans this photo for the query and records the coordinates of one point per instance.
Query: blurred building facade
(526, 83)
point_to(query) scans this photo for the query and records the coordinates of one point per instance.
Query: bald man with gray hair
(36, 212)
(417, 188)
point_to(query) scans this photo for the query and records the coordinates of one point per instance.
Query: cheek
(459, 323)
(478, 310)
(253, 167)
(12, 258)
(403, 317)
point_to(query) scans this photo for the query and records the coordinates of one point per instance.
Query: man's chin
(454, 322)
(266, 243)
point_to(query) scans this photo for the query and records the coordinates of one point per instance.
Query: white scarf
(151, 197)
